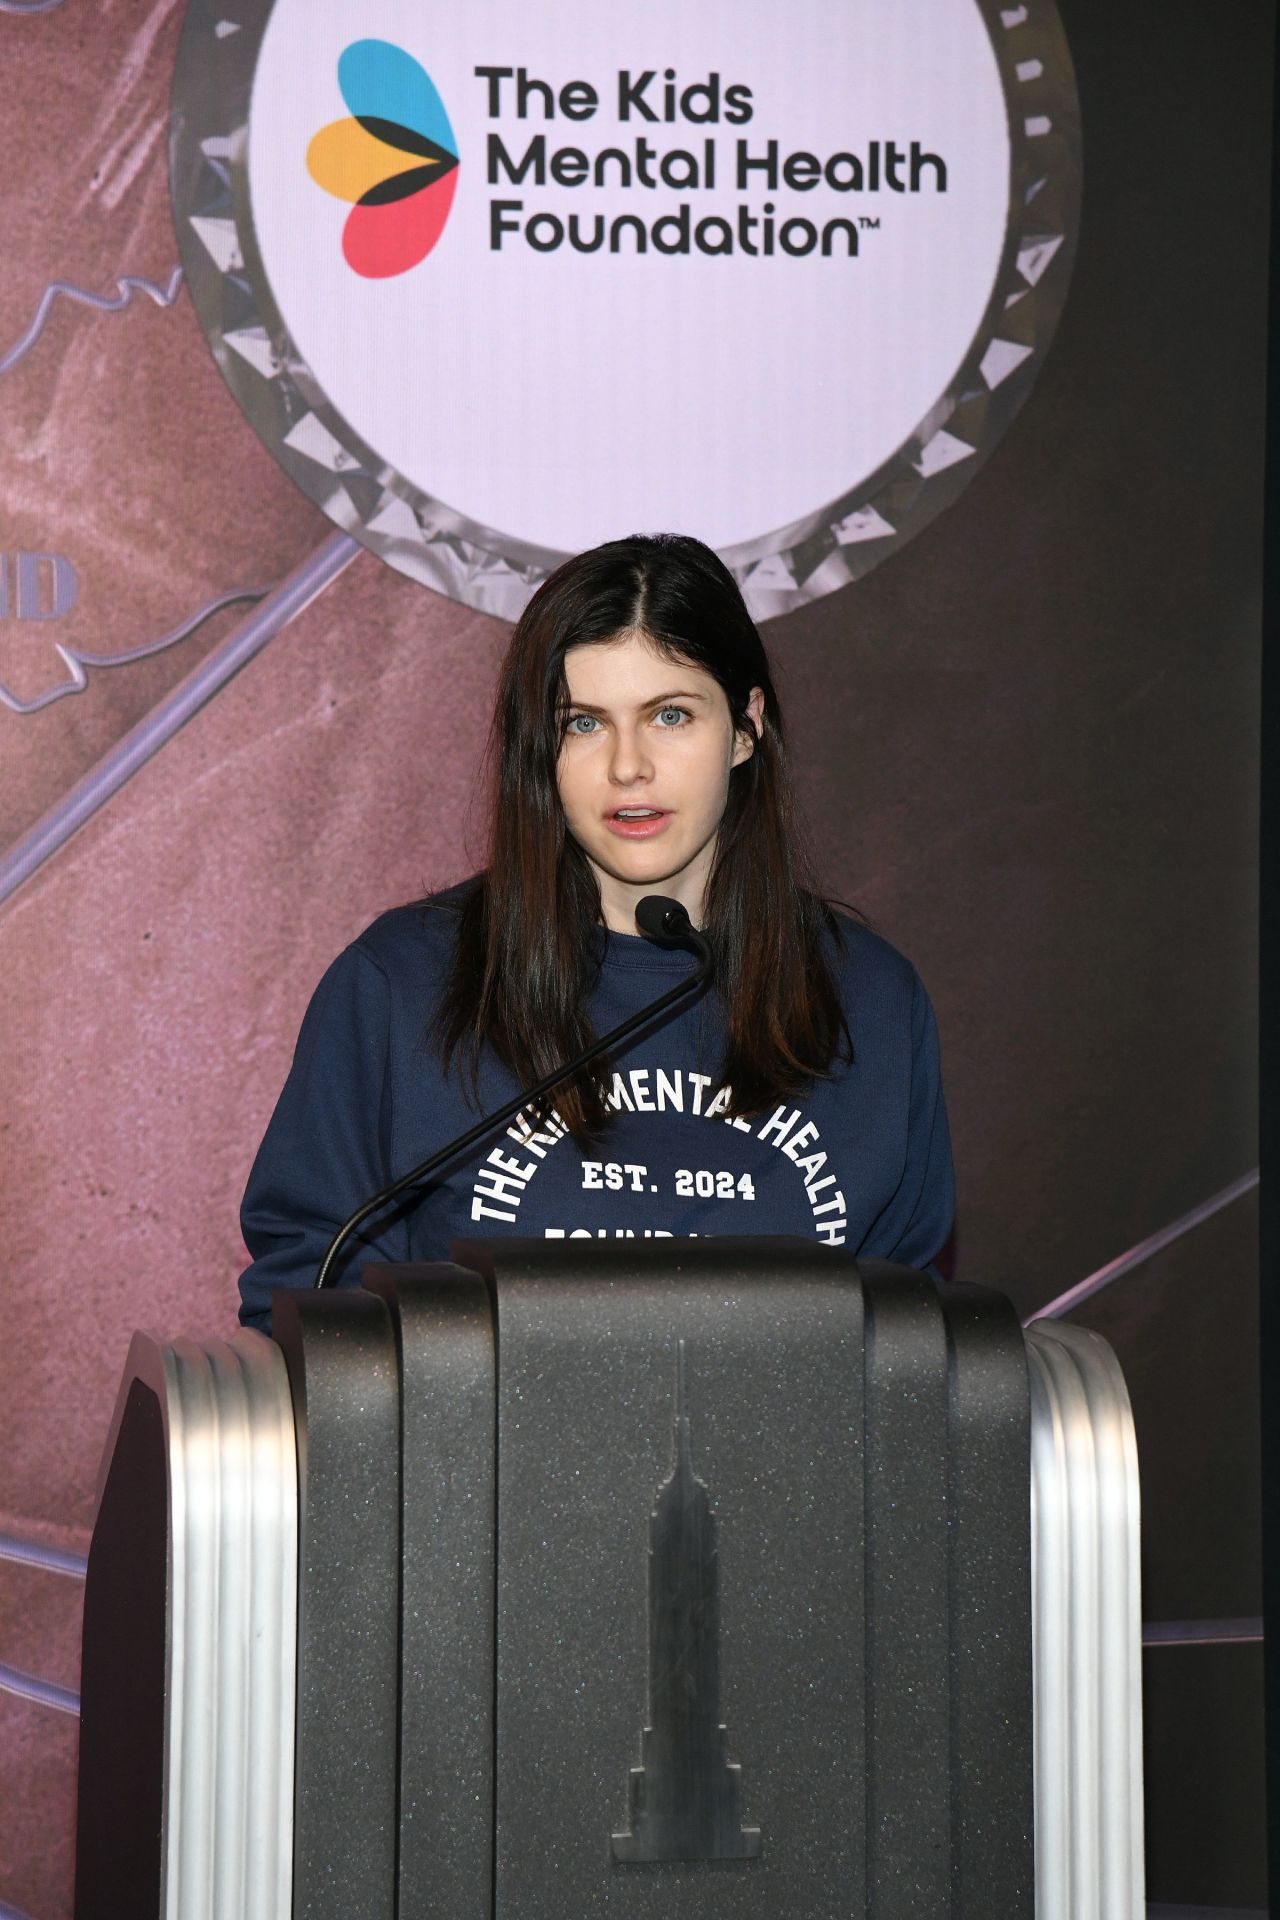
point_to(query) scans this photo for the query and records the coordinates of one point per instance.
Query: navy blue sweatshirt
(862, 1160)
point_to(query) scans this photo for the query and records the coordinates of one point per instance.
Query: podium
(701, 1577)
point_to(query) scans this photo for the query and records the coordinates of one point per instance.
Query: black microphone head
(662, 918)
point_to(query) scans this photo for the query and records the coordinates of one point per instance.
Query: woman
(637, 748)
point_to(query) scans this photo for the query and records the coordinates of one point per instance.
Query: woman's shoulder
(416, 940)
(863, 960)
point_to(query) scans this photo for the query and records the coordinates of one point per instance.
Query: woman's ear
(744, 741)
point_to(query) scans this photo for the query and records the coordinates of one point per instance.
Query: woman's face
(644, 771)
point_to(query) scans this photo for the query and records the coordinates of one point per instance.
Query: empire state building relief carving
(686, 1792)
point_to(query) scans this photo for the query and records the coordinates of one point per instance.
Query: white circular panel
(567, 396)
(498, 282)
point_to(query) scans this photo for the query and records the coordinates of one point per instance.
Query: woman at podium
(637, 747)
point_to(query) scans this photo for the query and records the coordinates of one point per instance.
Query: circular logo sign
(496, 286)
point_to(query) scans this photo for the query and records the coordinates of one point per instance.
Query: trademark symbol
(869, 223)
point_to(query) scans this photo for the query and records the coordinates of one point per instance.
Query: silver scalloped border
(496, 572)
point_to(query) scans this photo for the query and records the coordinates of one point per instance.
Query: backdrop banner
(325, 330)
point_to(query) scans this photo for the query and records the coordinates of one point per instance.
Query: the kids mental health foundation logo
(786, 293)
(394, 158)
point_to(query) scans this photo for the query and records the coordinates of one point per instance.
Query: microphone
(662, 919)
(658, 918)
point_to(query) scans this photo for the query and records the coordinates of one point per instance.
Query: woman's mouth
(637, 823)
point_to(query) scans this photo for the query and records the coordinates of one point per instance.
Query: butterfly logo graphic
(394, 159)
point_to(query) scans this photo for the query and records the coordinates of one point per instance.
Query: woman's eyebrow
(660, 700)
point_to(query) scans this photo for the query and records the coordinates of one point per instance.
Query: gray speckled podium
(871, 1583)
(667, 1578)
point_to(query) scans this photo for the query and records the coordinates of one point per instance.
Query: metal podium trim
(230, 1622)
(1086, 1629)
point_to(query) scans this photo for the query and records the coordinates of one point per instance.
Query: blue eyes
(668, 718)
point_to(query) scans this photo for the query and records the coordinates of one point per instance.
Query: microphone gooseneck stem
(422, 1172)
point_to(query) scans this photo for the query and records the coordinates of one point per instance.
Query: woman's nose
(631, 759)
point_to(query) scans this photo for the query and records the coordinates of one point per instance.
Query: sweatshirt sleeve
(915, 1224)
(327, 1146)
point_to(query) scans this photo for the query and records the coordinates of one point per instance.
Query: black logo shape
(685, 1795)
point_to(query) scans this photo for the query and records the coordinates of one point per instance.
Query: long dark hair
(524, 964)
